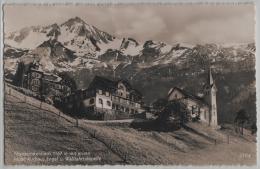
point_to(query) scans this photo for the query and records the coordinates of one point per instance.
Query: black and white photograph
(129, 84)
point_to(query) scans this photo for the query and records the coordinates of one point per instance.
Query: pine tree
(19, 75)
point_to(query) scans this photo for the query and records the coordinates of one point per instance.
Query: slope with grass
(32, 130)
(196, 144)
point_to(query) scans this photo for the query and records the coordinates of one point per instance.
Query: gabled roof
(102, 83)
(187, 95)
(47, 76)
(52, 77)
(127, 85)
(108, 85)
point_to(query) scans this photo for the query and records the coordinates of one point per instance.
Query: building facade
(107, 99)
(197, 108)
(203, 109)
(45, 84)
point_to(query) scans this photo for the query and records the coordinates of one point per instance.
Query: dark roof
(127, 85)
(102, 83)
(105, 84)
(47, 76)
(187, 95)
(52, 77)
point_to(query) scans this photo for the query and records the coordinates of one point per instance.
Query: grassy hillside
(31, 130)
(194, 145)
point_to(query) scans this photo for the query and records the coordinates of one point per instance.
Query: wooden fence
(82, 124)
(38, 103)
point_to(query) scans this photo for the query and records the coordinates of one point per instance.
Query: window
(109, 103)
(100, 101)
(127, 110)
(192, 109)
(35, 82)
(86, 93)
(121, 87)
(35, 89)
(107, 93)
(176, 96)
(33, 74)
(91, 101)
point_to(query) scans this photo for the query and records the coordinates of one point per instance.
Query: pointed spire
(211, 80)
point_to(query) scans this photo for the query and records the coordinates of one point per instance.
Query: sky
(202, 23)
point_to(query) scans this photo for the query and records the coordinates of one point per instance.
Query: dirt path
(31, 130)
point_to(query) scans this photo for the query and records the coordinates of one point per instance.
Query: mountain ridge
(151, 66)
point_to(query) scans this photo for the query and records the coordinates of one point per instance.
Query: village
(107, 99)
(101, 84)
(114, 118)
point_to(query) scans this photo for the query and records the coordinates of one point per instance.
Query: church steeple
(213, 101)
(211, 81)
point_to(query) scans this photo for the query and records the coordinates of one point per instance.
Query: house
(45, 84)
(196, 106)
(107, 99)
(204, 109)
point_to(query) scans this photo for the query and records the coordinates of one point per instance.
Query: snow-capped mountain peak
(75, 44)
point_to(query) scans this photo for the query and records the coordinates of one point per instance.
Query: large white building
(107, 99)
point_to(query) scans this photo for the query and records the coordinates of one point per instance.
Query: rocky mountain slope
(152, 67)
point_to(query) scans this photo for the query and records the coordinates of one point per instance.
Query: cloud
(167, 23)
(145, 26)
(229, 30)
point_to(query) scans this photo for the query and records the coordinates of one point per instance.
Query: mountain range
(153, 67)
